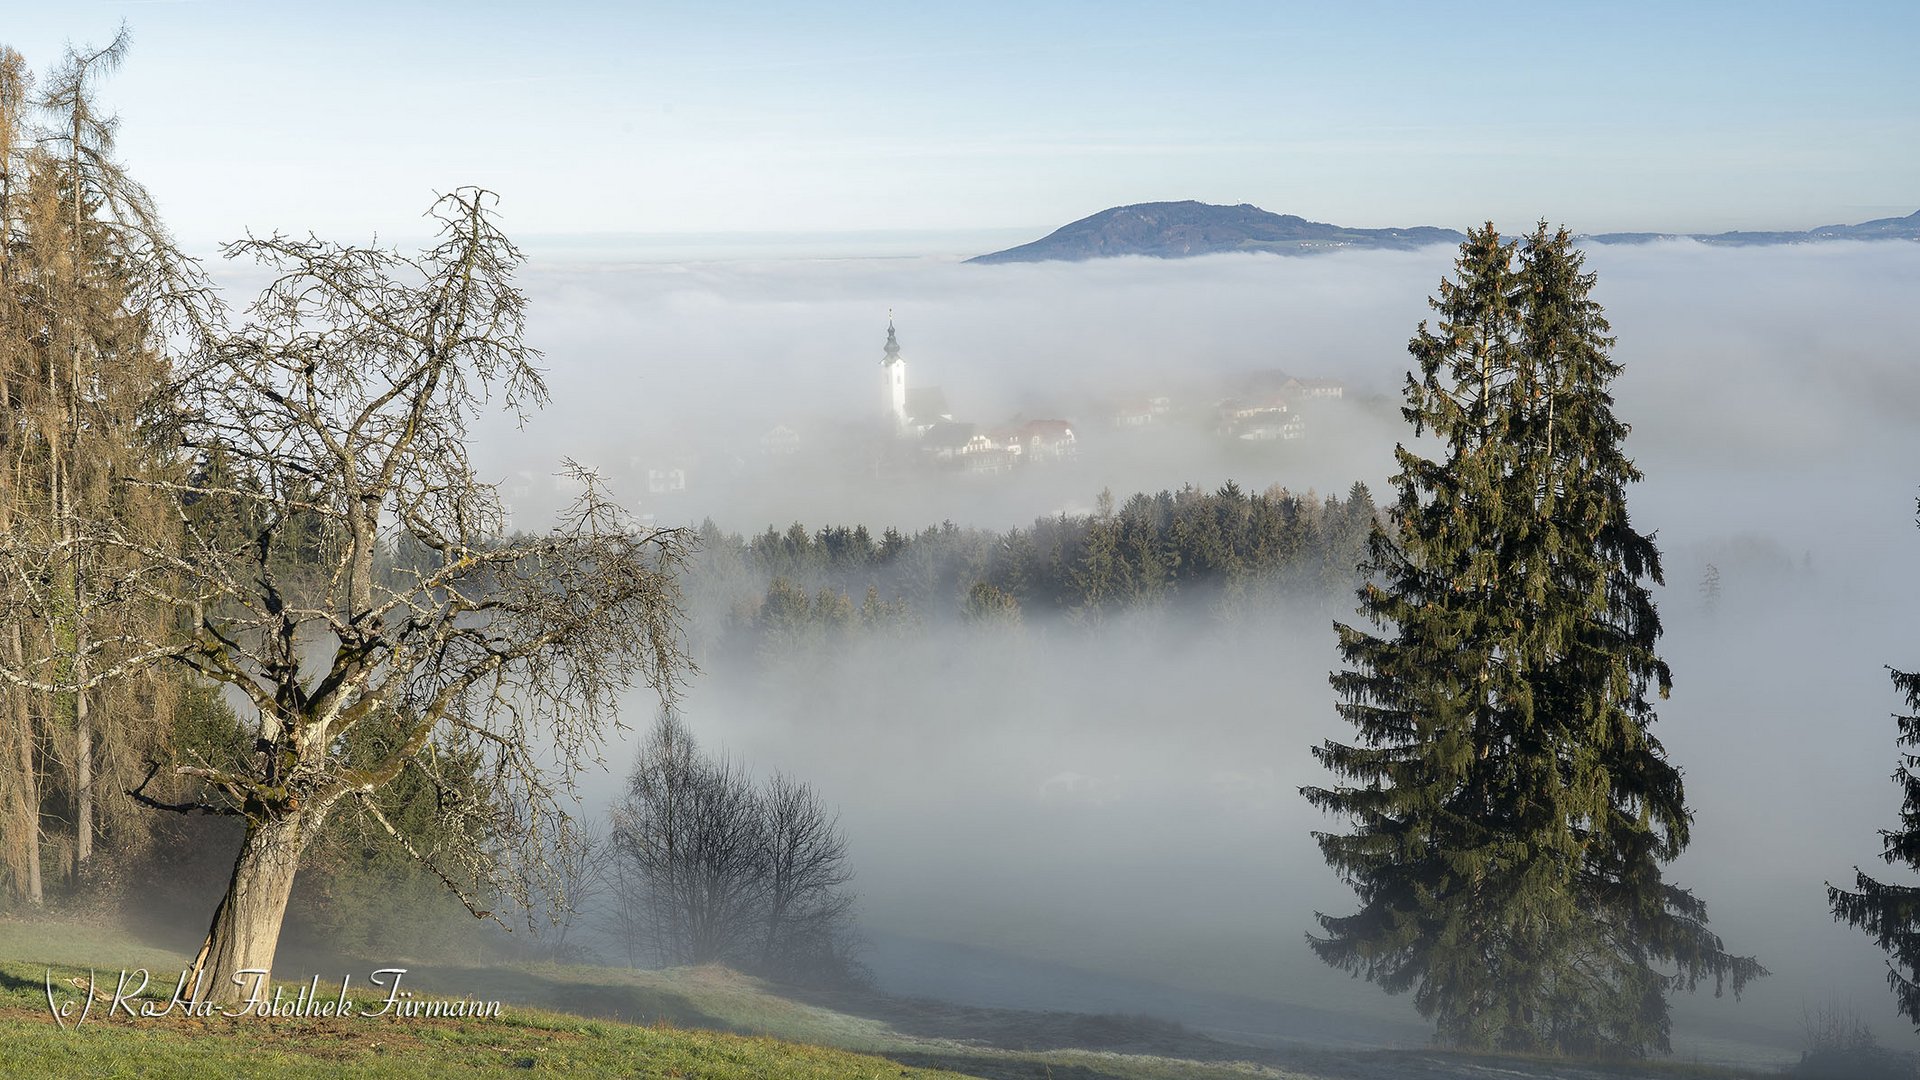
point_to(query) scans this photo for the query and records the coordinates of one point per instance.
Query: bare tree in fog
(807, 909)
(689, 827)
(1513, 809)
(335, 422)
(709, 868)
(1891, 912)
(579, 883)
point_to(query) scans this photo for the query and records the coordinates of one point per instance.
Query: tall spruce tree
(1891, 912)
(1511, 808)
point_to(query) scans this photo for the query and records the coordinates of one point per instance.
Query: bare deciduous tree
(336, 418)
(689, 827)
(708, 868)
(808, 912)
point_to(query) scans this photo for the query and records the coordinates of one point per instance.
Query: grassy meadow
(706, 1023)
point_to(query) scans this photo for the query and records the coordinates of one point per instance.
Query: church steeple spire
(896, 371)
(893, 343)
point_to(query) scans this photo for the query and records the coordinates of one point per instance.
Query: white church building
(915, 410)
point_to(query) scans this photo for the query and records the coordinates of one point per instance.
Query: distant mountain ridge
(1892, 228)
(1174, 230)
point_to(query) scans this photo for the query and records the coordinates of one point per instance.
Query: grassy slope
(702, 1022)
(521, 1039)
(693, 1023)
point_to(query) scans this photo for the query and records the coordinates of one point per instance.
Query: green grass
(692, 1023)
(521, 1039)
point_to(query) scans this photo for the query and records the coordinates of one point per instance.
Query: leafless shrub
(1840, 1046)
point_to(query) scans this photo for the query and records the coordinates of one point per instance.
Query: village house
(1044, 440)
(1286, 426)
(1319, 388)
(1262, 408)
(666, 481)
(1141, 412)
(780, 442)
(949, 439)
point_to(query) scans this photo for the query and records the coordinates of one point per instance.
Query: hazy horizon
(727, 210)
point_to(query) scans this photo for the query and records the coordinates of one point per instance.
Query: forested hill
(1171, 230)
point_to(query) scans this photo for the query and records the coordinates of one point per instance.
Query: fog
(1102, 817)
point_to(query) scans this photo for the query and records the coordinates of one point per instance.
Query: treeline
(1213, 547)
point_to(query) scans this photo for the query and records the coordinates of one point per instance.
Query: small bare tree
(335, 420)
(651, 868)
(580, 881)
(808, 911)
(709, 868)
(690, 830)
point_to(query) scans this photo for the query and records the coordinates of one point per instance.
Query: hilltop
(1173, 230)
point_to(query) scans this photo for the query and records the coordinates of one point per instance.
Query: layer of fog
(1126, 800)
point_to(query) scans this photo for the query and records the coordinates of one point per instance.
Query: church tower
(896, 370)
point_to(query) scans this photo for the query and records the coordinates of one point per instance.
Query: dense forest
(1211, 549)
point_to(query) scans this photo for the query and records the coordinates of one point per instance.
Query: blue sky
(832, 118)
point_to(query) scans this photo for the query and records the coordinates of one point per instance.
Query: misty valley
(1199, 643)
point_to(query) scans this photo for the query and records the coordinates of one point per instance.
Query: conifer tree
(90, 289)
(20, 780)
(1511, 808)
(1891, 912)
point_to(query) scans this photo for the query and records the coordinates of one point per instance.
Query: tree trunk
(246, 925)
(83, 762)
(22, 810)
(26, 815)
(83, 730)
(29, 810)
(29, 781)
